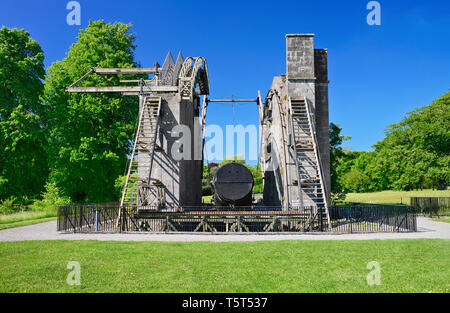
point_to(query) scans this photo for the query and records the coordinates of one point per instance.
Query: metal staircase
(140, 189)
(312, 189)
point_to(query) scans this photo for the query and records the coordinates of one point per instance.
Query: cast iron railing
(350, 219)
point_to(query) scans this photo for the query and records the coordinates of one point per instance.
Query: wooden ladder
(307, 159)
(144, 144)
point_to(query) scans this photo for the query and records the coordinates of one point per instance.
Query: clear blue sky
(377, 73)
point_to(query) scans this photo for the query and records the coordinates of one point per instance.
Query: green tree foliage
(345, 163)
(206, 181)
(89, 134)
(23, 164)
(257, 177)
(336, 154)
(352, 171)
(52, 198)
(355, 181)
(415, 154)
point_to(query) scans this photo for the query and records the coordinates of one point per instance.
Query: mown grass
(394, 197)
(26, 222)
(25, 218)
(442, 219)
(283, 266)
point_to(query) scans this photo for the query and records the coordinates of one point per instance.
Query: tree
(345, 164)
(336, 154)
(51, 199)
(355, 181)
(206, 181)
(257, 178)
(416, 152)
(90, 135)
(23, 164)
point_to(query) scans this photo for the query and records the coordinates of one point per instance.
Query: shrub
(7, 206)
(206, 187)
(356, 181)
(51, 199)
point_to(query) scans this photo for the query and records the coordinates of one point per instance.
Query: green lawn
(442, 219)
(26, 222)
(25, 218)
(394, 197)
(283, 266)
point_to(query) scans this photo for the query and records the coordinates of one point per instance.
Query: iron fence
(353, 219)
(231, 220)
(373, 218)
(88, 218)
(432, 206)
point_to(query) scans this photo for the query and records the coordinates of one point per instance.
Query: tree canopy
(415, 154)
(336, 154)
(89, 134)
(23, 164)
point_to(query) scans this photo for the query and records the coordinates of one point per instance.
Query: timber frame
(193, 73)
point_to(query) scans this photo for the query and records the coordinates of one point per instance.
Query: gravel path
(47, 231)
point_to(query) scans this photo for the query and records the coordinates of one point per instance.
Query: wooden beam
(136, 81)
(129, 90)
(143, 70)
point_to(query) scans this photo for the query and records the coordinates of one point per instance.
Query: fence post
(321, 220)
(350, 218)
(81, 219)
(406, 219)
(96, 220)
(430, 207)
(121, 213)
(396, 223)
(65, 219)
(415, 220)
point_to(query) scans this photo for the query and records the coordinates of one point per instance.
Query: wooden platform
(226, 221)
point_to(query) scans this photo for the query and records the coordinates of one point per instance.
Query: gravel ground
(427, 228)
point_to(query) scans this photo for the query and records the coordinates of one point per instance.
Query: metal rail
(350, 219)
(228, 100)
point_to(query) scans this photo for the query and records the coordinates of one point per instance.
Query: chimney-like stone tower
(307, 75)
(305, 86)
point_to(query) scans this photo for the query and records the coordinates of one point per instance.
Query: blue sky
(377, 73)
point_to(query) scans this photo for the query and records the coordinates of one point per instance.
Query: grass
(394, 197)
(25, 218)
(442, 219)
(206, 199)
(283, 266)
(27, 222)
